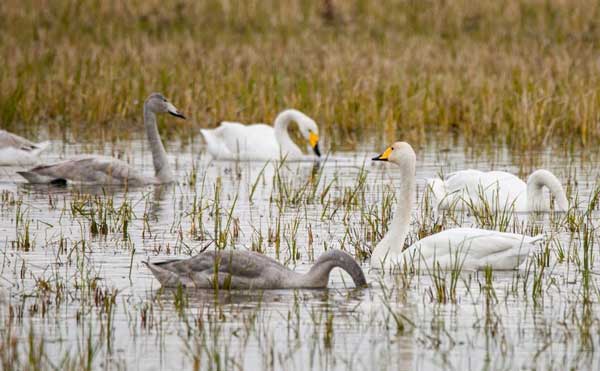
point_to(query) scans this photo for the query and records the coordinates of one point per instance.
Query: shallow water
(81, 295)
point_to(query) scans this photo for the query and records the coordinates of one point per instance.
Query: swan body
(467, 249)
(261, 142)
(498, 190)
(16, 150)
(108, 170)
(457, 248)
(237, 269)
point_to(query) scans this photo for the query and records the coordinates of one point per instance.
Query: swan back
(468, 189)
(223, 269)
(239, 269)
(468, 249)
(535, 197)
(235, 141)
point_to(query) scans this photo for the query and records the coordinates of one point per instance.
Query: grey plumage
(12, 140)
(16, 150)
(235, 269)
(87, 169)
(109, 170)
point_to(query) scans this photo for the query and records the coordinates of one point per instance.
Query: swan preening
(458, 248)
(109, 170)
(239, 269)
(261, 142)
(498, 190)
(16, 150)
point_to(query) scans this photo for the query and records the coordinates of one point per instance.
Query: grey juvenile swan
(109, 170)
(16, 150)
(237, 269)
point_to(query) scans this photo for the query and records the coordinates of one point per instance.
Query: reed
(523, 71)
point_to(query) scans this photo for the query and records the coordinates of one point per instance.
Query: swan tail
(163, 275)
(207, 135)
(536, 238)
(33, 177)
(213, 142)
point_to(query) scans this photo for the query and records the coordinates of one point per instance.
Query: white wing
(469, 249)
(473, 188)
(232, 140)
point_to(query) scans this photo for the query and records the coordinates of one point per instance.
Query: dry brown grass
(524, 72)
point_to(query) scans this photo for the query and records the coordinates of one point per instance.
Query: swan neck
(390, 247)
(318, 275)
(535, 191)
(281, 127)
(162, 170)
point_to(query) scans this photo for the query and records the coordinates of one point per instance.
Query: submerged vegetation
(522, 72)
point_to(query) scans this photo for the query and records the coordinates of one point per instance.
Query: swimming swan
(16, 150)
(239, 269)
(498, 190)
(261, 142)
(107, 170)
(458, 248)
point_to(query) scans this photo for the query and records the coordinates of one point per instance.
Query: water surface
(73, 284)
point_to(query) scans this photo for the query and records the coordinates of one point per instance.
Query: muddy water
(80, 293)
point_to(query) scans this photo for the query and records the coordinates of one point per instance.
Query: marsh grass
(73, 294)
(520, 72)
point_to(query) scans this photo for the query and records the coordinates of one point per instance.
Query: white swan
(498, 190)
(16, 150)
(464, 248)
(261, 142)
(109, 170)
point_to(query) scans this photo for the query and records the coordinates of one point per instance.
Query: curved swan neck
(535, 196)
(162, 170)
(318, 275)
(392, 243)
(281, 126)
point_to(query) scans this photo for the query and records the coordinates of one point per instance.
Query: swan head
(310, 131)
(157, 103)
(399, 153)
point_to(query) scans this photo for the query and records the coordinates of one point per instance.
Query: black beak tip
(178, 114)
(317, 150)
(378, 158)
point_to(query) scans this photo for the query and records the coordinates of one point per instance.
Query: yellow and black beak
(313, 140)
(384, 156)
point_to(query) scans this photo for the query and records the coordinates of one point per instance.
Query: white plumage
(457, 248)
(261, 142)
(498, 190)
